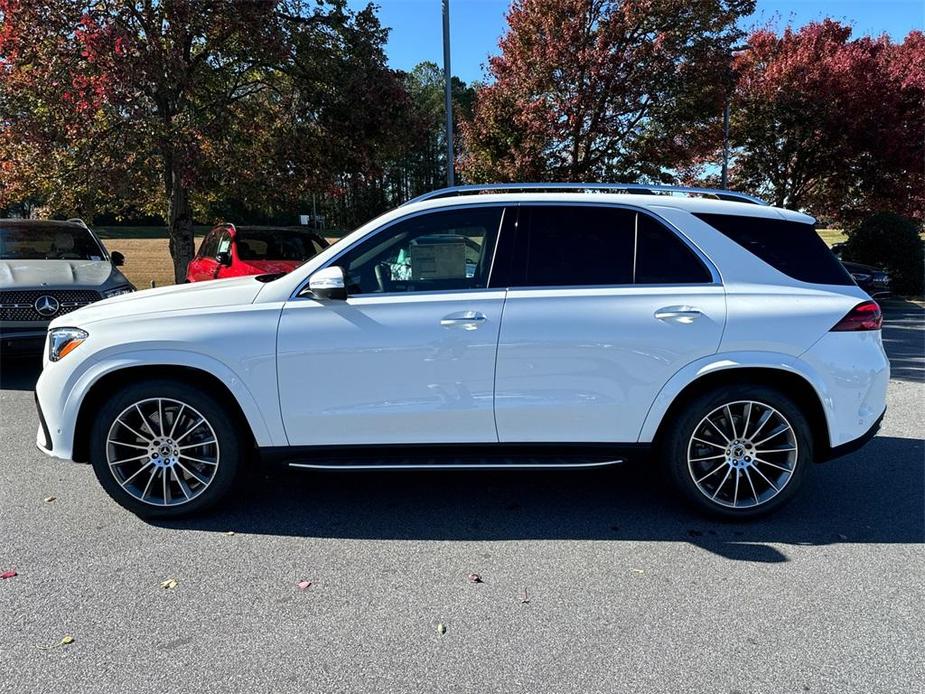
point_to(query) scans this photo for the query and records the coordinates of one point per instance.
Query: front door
(606, 304)
(409, 357)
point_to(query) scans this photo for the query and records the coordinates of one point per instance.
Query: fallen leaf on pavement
(68, 639)
(9, 574)
(474, 578)
(638, 571)
(441, 629)
(49, 499)
(170, 584)
(526, 598)
(304, 585)
(229, 532)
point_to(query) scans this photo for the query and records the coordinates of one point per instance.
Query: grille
(20, 305)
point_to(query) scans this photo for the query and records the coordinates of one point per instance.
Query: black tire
(677, 441)
(229, 438)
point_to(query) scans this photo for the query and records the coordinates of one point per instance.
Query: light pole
(450, 157)
(725, 174)
(727, 106)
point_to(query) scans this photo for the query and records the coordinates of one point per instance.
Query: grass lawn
(832, 236)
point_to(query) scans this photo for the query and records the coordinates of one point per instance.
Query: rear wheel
(739, 451)
(164, 449)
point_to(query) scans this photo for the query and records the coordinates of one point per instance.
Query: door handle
(468, 320)
(678, 314)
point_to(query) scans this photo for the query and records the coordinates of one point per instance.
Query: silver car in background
(47, 269)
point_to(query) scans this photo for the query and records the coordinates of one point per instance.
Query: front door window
(438, 251)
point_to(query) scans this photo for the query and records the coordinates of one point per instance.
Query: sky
(475, 25)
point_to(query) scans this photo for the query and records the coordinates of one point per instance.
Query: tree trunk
(180, 225)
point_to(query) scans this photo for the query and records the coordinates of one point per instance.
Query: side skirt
(462, 456)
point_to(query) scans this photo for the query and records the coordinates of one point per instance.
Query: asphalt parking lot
(625, 590)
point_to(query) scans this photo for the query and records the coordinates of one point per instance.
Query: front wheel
(162, 448)
(739, 451)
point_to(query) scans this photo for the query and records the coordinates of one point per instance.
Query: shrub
(892, 242)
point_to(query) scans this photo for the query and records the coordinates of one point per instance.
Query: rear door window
(577, 245)
(586, 245)
(793, 248)
(663, 258)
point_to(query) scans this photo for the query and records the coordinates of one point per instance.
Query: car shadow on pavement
(876, 495)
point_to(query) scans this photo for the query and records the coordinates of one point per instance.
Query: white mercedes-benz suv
(523, 326)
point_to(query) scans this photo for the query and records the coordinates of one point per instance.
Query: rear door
(606, 304)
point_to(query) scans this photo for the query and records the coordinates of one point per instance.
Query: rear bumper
(850, 372)
(856, 444)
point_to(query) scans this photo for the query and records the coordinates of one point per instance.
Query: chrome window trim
(714, 273)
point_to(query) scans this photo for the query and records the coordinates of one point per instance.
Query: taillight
(866, 316)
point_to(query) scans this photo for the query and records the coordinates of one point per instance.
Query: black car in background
(873, 280)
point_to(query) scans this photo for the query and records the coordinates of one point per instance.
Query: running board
(453, 464)
(455, 456)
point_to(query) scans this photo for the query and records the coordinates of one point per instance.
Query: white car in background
(523, 326)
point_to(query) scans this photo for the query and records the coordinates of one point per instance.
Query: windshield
(48, 242)
(277, 244)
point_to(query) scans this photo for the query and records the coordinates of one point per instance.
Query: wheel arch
(786, 380)
(121, 377)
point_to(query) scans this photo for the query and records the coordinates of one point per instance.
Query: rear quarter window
(793, 248)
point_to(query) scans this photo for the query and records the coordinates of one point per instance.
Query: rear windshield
(277, 244)
(48, 242)
(794, 248)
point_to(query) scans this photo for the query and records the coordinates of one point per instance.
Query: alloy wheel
(742, 454)
(162, 452)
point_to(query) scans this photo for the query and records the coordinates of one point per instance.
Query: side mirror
(118, 260)
(329, 283)
(223, 258)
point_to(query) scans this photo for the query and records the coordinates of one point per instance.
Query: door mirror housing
(118, 260)
(329, 283)
(223, 258)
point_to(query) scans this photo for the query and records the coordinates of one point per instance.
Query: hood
(55, 274)
(177, 298)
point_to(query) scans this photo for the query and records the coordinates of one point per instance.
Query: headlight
(124, 289)
(63, 341)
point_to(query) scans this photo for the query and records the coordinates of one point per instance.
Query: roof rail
(640, 188)
(78, 220)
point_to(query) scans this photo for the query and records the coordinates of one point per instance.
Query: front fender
(733, 360)
(61, 394)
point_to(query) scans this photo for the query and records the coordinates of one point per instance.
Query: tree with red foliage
(830, 124)
(600, 89)
(166, 106)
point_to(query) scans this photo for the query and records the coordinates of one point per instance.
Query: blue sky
(476, 25)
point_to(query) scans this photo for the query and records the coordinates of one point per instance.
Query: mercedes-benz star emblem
(46, 305)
